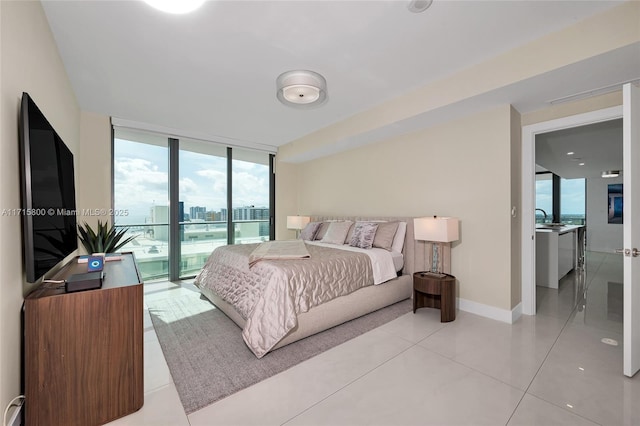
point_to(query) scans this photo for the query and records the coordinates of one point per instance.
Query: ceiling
(211, 74)
(597, 146)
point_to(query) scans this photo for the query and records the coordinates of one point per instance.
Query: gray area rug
(209, 360)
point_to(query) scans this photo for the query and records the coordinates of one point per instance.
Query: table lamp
(297, 223)
(440, 231)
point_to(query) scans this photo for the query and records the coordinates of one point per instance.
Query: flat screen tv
(48, 193)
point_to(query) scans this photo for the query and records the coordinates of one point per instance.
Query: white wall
(601, 235)
(30, 63)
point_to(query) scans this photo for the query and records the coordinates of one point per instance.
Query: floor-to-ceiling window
(564, 202)
(203, 202)
(224, 196)
(544, 197)
(572, 201)
(141, 196)
(250, 196)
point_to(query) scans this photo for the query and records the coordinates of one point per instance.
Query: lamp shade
(436, 228)
(297, 222)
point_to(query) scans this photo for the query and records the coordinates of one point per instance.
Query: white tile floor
(543, 370)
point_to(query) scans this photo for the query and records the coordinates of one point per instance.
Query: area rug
(209, 360)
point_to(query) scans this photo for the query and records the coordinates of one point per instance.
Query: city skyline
(141, 180)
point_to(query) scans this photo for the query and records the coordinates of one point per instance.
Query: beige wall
(30, 63)
(516, 201)
(286, 198)
(459, 169)
(480, 157)
(94, 169)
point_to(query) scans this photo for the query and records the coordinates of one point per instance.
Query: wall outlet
(15, 419)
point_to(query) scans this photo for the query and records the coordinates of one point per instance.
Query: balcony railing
(198, 240)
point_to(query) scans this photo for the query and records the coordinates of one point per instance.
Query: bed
(360, 297)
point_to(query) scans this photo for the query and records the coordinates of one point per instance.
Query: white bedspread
(381, 260)
(279, 250)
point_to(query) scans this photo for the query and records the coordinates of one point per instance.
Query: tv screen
(48, 193)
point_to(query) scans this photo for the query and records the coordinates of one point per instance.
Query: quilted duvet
(271, 293)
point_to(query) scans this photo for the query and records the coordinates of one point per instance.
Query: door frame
(528, 276)
(631, 296)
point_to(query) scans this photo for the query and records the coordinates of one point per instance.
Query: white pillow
(398, 239)
(337, 232)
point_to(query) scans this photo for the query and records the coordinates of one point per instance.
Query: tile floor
(548, 369)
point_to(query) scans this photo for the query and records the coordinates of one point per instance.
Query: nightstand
(431, 291)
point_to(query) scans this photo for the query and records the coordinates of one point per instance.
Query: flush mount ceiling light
(611, 173)
(175, 6)
(301, 88)
(417, 6)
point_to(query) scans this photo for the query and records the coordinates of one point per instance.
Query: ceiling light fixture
(611, 173)
(175, 6)
(417, 6)
(570, 153)
(301, 89)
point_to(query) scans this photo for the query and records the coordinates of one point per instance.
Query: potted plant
(105, 239)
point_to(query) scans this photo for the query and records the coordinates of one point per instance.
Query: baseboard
(487, 311)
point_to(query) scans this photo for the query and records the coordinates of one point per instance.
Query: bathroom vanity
(559, 250)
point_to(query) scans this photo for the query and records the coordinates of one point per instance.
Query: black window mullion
(231, 237)
(174, 210)
(272, 197)
(556, 198)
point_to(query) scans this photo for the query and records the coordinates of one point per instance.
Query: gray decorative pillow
(384, 235)
(364, 234)
(309, 231)
(337, 232)
(322, 230)
(350, 233)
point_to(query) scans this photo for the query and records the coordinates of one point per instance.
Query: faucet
(545, 215)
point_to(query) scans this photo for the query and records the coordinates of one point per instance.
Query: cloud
(250, 189)
(140, 183)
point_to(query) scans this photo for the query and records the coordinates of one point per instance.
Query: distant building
(197, 212)
(160, 214)
(250, 213)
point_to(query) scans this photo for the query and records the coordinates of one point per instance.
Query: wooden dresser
(83, 351)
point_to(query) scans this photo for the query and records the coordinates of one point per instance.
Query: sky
(572, 196)
(141, 181)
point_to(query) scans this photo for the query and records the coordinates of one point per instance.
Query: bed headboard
(414, 251)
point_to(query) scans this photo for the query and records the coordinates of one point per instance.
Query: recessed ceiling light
(570, 153)
(417, 6)
(175, 6)
(611, 173)
(580, 164)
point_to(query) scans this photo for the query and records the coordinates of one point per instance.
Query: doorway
(528, 193)
(571, 163)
